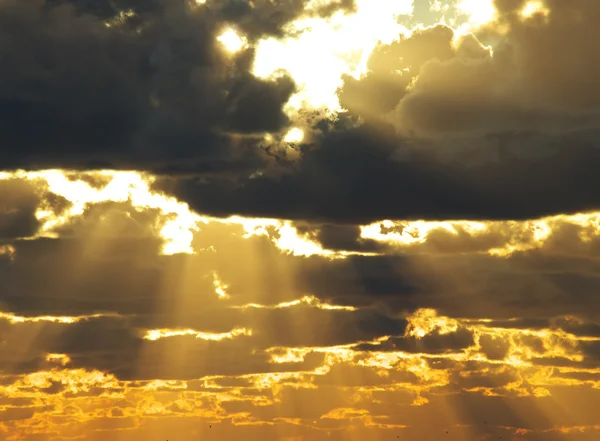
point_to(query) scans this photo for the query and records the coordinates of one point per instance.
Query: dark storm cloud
(18, 203)
(158, 94)
(466, 123)
(261, 18)
(78, 93)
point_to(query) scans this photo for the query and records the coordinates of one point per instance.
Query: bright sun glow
(534, 7)
(123, 186)
(480, 12)
(232, 41)
(324, 50)
(178, 224)
(295, 135)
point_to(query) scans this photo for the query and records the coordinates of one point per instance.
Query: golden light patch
(157, 334)
(74, 380)
(178, 224)
(532, 8)
(322, 50)
(295, 135)
(503, 237)
(8, 250)
(413, 232)
(479, 12)
(13, 318)
(305, 300)
(288, 355)
(169, 384)
(334, 354)
(120, 18)
(220, 287)
(62, 359)
(287, 238)
(345, 414)
(232, 40)
(425, 321)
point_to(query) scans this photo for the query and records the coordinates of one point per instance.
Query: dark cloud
(18, 203)
(494, 348)
(105, 96)
(434, 343)
(437, 129)
(341, 238)
(261, 18)
(450, 124)
(467, 121)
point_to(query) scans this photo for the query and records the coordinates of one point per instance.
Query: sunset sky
(299, 220)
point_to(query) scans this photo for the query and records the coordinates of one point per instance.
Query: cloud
(103, 94)
(412, 259)
(461, 118)
(454, 119)
(18, 202)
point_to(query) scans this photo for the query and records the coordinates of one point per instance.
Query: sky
(299, 220)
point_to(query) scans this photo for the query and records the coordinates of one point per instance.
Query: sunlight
(157, 334)
(305, 300)
(8, 250)
(220, 287)
(323, 50)
(425, 321)
(295, 135)
(534, 7)
(13, 318)
(505, 237)
(232, 41)
(178, 223)
(62, 359)
(480, 12)
(128, 313)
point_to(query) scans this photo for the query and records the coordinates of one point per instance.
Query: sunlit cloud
(307, 300)
(220, 287)
(178, 224)
(324, 49)
(8, 250)
(332, 330)
(231, 40)
(295, 135)
(532, 8)
(479, 12)
(156, 334)
(13, 318)
(62, 359)
(425, 321)
(504, 237)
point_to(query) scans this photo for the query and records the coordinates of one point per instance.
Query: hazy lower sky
(294, 220)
